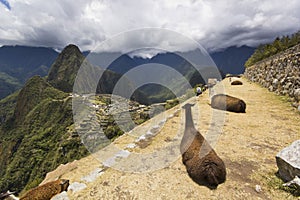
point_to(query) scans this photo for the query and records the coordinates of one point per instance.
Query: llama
(47, 191)
(236, 82)
(202, 163)
(229, 103)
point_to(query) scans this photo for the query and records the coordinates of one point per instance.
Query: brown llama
(229, 103)
(47, 191)
(236, 82)
(202, 163)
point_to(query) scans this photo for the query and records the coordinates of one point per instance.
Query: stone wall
(279, 73)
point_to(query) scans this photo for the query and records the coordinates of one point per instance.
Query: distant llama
(236, 82)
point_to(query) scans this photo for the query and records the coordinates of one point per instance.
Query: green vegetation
(273, 181)
(155, 93)
(35, 90)
(113, 131)
(171, 103)
(7, 106)
(278, 45)
(8, 85)
(33, 135)
(64, 70)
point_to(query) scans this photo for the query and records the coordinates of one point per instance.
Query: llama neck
(188, 119)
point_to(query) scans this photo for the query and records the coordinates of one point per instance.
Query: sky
(215, 24)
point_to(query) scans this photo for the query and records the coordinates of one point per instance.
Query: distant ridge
(18, 63)
(22, 61)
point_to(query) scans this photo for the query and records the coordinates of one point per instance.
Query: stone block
(288, 161)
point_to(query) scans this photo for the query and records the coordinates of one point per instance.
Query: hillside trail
(248, 145)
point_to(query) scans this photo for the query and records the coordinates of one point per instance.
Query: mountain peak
(64, 70)
(71, 48)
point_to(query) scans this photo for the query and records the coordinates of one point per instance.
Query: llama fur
(202, 163)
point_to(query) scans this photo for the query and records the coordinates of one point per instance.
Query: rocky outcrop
(279, 73)
(288, 161)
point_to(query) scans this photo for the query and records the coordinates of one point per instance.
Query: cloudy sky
(215, 24)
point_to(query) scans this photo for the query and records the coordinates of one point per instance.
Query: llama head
(64, 183)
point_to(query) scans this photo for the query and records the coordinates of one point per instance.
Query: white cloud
(214, 23)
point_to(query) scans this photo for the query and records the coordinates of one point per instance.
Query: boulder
(288, 161)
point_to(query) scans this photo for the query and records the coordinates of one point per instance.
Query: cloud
(215, 24)
(6, 4)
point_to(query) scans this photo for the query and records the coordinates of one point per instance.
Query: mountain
(92, 79)
(36, 126)
(35, 91)
(18, 63)
(22, 62)
(37, 131)
(63, 72)
(232, 60)
(33, 133)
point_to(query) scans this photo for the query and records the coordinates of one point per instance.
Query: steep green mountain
(36, 123)
(34, 91)
(34, 137)
(63, 72)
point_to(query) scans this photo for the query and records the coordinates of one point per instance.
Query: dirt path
(248, 145)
